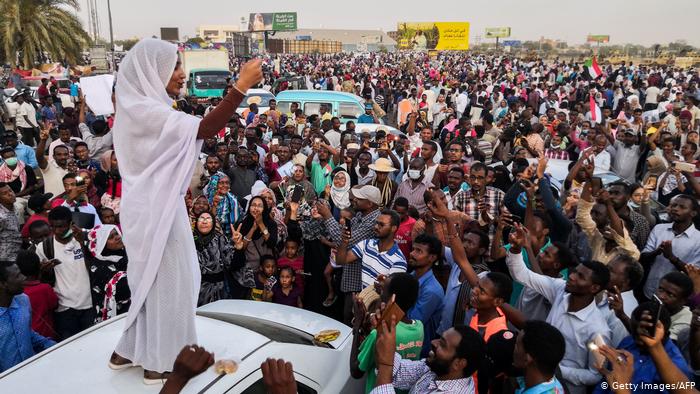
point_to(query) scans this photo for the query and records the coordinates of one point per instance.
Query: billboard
(170, 33)
(277, 21)
(497, 32)
(600, 38)
(421, 36)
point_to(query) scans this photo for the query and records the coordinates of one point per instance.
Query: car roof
(372, 128)
(289, 95)
(90, 350)
(258, 92)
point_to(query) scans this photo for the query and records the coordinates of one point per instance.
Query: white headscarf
(341, 196)
(156, 147)
(98, 237)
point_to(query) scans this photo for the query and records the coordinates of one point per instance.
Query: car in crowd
(259, 96)
(372, 128)
(247, 332)
(345, 106)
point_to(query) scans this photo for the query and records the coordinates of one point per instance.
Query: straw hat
(382, 165)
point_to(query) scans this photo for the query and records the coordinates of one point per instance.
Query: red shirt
(44, 301)
(403, 236)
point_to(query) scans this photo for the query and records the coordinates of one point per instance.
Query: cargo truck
(206, 72)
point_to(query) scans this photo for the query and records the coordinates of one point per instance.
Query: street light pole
(111, 34)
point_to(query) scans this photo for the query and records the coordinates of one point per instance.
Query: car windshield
(211, 80)
(274, 331)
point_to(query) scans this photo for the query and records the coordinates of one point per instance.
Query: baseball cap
(37, 201)
(629, 131)
(368, 192)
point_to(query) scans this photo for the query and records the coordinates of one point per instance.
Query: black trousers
(73, 321)
(29, 136)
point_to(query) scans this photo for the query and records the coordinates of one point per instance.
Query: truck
(206, 72)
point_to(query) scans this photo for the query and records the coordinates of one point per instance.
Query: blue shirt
(27, 155)
(364, 118)
(551, 386)
(428, 308)
(17, 340)
(375, 263)
(74, 89)
(644, 367)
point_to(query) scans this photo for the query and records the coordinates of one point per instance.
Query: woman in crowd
(223, 204)
(275, 213)
(112, 181)
(107, 261)
(254, 236)
(339, 194)
(215, 254)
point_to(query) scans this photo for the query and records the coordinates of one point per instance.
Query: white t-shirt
(652, 95)
(72, 279)
(53, 178)
(27, 110)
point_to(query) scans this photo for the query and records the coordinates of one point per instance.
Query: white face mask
(414, 174)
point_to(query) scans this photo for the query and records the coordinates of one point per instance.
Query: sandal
(330, 301)
(152, 377)
(117, 362)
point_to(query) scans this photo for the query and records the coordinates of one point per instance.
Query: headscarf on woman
(108, 280)
(156, 146)
(113, 194)
(202, 240)
(227, 208)
(277, 215)
(341, 196)
(215, 255)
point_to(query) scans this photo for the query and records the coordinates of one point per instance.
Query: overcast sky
(626, 21)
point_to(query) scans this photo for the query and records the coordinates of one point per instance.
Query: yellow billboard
(444, 36)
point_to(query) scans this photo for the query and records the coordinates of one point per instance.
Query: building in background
(351, 40)
(217, 33)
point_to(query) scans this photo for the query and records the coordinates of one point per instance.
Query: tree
(31, 28)
(127, 44)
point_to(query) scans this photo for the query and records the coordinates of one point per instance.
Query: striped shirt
(375, 263)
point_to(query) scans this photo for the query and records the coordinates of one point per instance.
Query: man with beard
(379, 255)
(281, 169)
(574, 311)
(449, 367)
(242, 177)
(211, 167)
(539, 349)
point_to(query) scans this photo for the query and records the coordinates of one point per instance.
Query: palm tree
(30, 28)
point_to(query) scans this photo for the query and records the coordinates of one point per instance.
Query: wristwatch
(265, 232)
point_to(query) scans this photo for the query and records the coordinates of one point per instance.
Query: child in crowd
(42, 298)
(345, 215)
(295, 261)
(285, 292)
(264, 279)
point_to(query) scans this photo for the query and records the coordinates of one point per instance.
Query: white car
(372, 128)
(247, 331)
(253, 95)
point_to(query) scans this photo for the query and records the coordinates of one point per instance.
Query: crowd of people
(505, 276)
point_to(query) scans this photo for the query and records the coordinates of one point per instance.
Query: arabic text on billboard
(278, 21)
(598, 38)
(446, 36)
(497, 32)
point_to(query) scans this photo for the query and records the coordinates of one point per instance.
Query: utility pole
(111, 34)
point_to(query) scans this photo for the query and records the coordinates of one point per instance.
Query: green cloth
(321, 176)
(409, 341)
